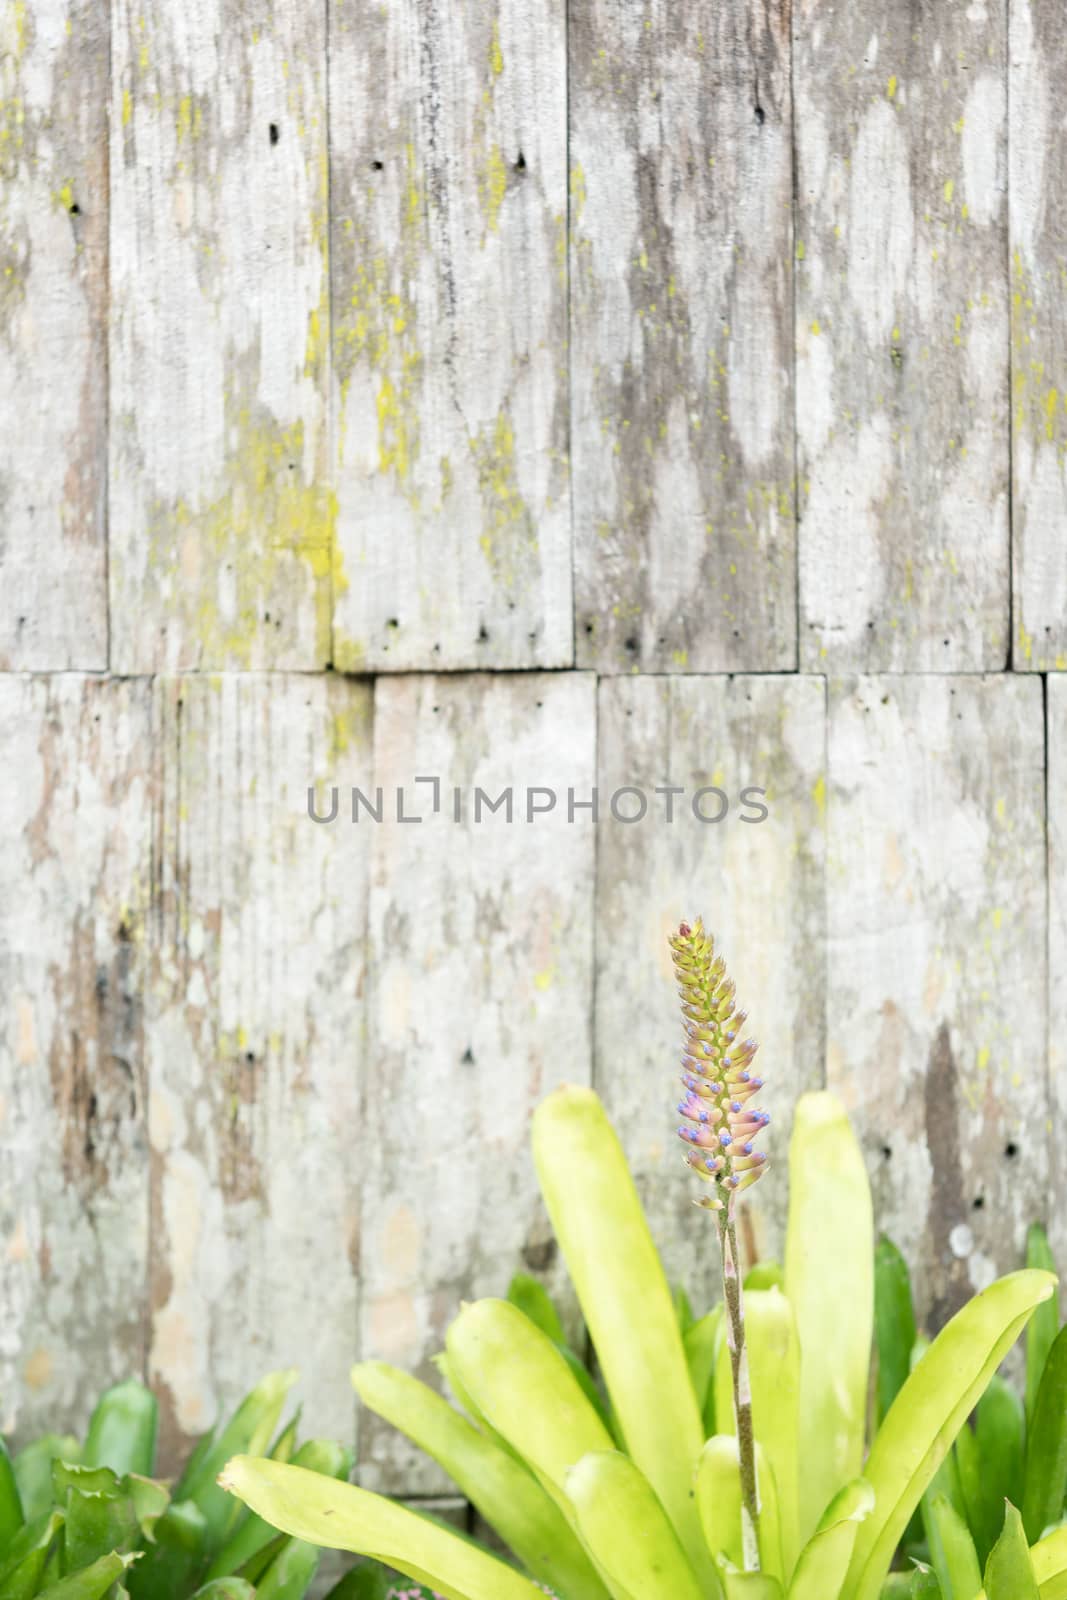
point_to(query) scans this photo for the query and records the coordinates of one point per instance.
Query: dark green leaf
(23, 1564)
(11, 1517)
(894, 1322)
(290, 1573)
(100, 1518)
(1046, 1451)
(122, 1430)
(91, 1583)
(534, 1300)
(952, 1551)
(249, 1430)
(33, 1470)
(683, 1309)
(172, 1564)
(226, 1589)
(1045, 1322)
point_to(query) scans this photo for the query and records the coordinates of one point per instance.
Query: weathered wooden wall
(637, 397)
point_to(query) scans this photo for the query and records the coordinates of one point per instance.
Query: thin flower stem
(733, 1298)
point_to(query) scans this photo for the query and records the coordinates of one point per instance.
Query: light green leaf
(924, 1584)
(1046, 1451)
(628, 1531)
(252, 1534)
(1045, 1323)
(751, 1586)
(718, 1494)
(507, 1495)
(823, 1563)
(250, 1429)
(774, 1366)
(1049, 1559)
(518, 1381)
(1009, 1572)
(342, 1517)
(929, 1411)
(765, 1275)
(952, 1551)
(284, 1446)
(625, 1299)
(829, 1282)
(700, 1349)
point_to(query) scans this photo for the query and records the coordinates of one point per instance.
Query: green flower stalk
(721, 1127)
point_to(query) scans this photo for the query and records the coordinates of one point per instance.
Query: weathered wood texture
(75, 810)
(901, 336)
(1056, 723)
(449, 287)
(480, 956)
(53, 331)
(254, 1043)
(936, 1001)
(1038, 188)
(758, 883)
(335, 334)
(221, 513)
(681, 336)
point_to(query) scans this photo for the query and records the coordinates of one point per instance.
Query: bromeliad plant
(712, 1468)
(86, 1520)
(1014, 1456)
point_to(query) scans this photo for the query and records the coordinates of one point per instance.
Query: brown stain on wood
(949, 1280)
(96, 1063)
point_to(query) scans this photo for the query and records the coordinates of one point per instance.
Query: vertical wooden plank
(1037, 143)
(901, 332)
(255, 1043)
(758, 885)
(75, 806)
(480, 974)
(937, 964)
(1054, 1209)
(53, 309)
(449, 286)
(221, 513)
(682, 336)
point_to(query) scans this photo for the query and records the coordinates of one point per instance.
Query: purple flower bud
(716, 1107)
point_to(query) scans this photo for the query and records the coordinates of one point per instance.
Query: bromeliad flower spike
(722, 1124)
(721, 1127)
